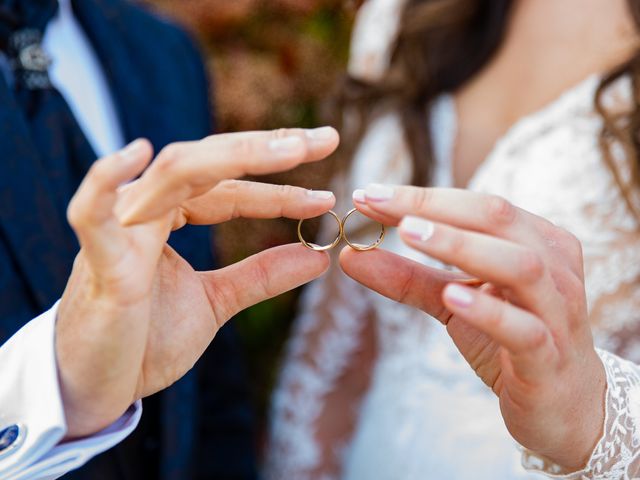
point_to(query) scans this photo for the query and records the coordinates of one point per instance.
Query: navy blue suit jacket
(202, 426)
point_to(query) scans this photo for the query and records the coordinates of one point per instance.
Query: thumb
(400, 279)
(260, 277)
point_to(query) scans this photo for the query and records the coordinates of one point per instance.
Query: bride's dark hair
(440, 46)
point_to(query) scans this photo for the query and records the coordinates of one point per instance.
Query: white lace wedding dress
(425, 414)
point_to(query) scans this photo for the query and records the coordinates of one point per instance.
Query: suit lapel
(34, 225)
(37, 233)
(120, 49)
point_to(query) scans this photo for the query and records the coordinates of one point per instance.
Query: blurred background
(273, 63)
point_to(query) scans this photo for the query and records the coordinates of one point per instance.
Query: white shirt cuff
(30, 398)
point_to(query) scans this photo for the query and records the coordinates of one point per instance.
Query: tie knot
(29, 61)
(22, 25)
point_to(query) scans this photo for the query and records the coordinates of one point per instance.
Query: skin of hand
(135, 316)
(525, 332)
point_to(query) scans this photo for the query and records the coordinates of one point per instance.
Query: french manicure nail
(322, 133)
(285, 145)
(131, 151)
(417, 228)
(458, 296)
(320, 194)
(359, 196)
(379, 193)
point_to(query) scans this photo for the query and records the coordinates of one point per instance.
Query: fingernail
(359, 196)
(323, 133)
(379, 193)
(320, 194)
(132, 151)
(285, 145)
(458, 296)
(417, 228)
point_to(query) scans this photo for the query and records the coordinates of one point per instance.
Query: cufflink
(11, 438)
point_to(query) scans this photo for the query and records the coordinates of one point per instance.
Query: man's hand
(135, 316)
(524, 332)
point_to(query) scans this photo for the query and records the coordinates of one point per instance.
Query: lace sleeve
(617, 454)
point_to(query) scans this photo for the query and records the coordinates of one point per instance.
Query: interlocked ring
(341, 235)
(357, 246)
(319, 248)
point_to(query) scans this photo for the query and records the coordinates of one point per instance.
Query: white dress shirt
(30, 398)
(77, 74)
(29, 390)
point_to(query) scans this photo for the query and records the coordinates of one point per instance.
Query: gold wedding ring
(341, 235)
(319, 248)
(357, 246)
(471, 282)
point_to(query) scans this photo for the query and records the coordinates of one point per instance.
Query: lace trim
(616, 454)
(304, 384)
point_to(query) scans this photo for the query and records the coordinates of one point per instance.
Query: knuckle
(454, 244)
(574, 286)
(281, 133)
(572, 241)
(569, 248)
(169, 156)
(532, 267)
(306, 150)
(242, 146)
(408, 286)
(233, 187)
(75, 216)
(495, 319)
(223, 298)
(285, 192)
(573, 245)
(421, 198)
(571, 289)
(262, 280)
(99, 172)
(537, 338)
(500, 211)
(302, 149)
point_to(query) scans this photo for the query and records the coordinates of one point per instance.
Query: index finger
(186, 170)
(400, 279)
(478, 212)
(460, 208)
(236, 198)
(90, 211)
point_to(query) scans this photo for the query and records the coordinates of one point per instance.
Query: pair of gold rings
(341, 235)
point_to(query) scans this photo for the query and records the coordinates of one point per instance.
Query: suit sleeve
(32, 422)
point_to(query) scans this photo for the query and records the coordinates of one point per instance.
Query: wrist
(98, 338)
(584, 423)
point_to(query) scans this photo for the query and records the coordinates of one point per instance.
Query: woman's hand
(135, 316)
(524, 332)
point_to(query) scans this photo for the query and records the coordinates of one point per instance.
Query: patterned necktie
(65, 152)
